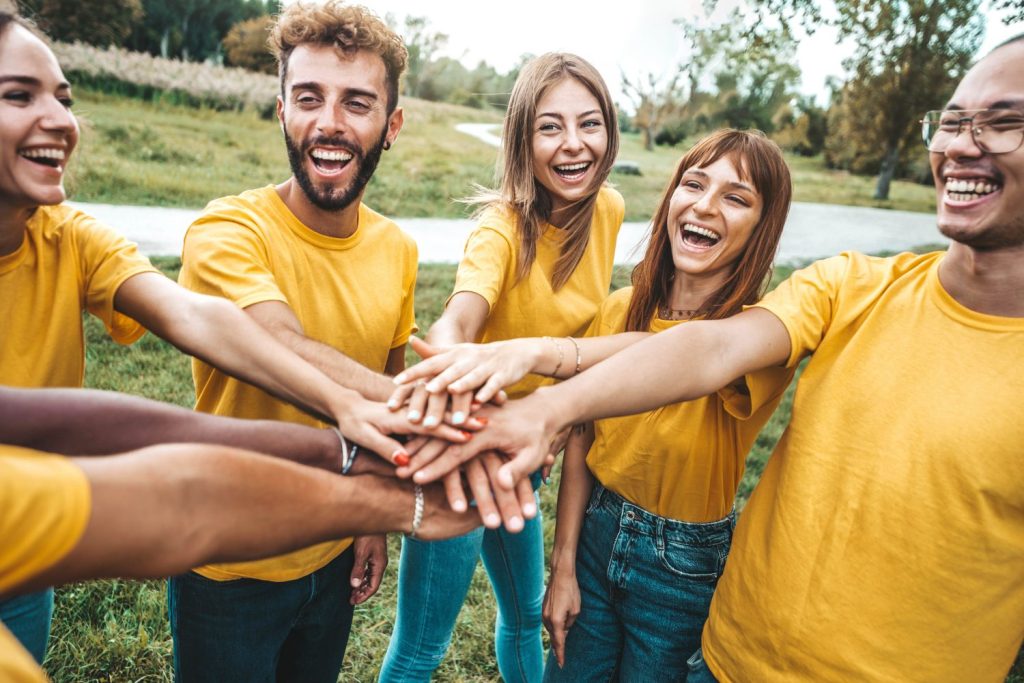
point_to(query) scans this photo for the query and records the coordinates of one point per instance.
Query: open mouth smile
(52, 157)
(330, 162)
(969, 189)
(698, 237)
(572, 172)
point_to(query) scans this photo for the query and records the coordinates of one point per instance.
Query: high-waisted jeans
(645, 586)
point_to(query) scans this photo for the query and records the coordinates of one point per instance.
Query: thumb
(525, 462)
(422, 348)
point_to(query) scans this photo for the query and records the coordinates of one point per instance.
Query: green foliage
(190, 29)
(97, 22)
(245, 45)
(909, 57)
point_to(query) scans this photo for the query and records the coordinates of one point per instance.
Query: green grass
(134, 152)
(117, 630)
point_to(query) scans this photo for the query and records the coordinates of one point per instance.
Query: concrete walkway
(813, 231)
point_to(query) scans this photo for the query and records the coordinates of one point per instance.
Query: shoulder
(613, 310)
(609, 199)
(62, 220)
(379, 226)
(853, 270)
(252, 206)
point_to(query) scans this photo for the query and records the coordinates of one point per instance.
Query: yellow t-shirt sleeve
(228, 258)
(486, 264)
(44, 508)
(806, 304)
(106, 260)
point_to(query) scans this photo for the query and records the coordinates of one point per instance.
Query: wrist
(563, 561)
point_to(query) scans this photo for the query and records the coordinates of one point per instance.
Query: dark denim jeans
(253, 631)
(28, 618)
(645, 584)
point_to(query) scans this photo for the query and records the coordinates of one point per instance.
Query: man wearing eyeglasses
(885, 540)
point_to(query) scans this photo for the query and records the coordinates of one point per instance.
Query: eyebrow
(554, 115)
(1001, 104)
(30, 80)
(738, 185)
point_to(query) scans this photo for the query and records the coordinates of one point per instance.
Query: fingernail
(392, 403)
(529, 510)
(399, 378)
(400, 458)
(458, 417)
(432, 388)
(356, 583)
(492, 520)
(466, 435)
(475, 406)
(431, 421)
(515, 524)
(459, 506)
(482, 421)
(419, 477)
(413, 415)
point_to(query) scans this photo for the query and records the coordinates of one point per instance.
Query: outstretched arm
(680, 364)
(218, 332)
(163, 510)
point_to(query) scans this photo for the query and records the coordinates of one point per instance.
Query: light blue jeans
(645, 586)
(28, 618)
(433, 579)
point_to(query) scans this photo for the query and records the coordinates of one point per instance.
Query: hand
(561, 607)
(371, 559)
(521, 429)
(434, 409)
(369, 423)
(463, 368)
(439, 520)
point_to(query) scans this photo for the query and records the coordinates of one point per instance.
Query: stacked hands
(455, 398)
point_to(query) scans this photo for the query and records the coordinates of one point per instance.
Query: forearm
(90, 422)
(166, 509)
(337, 366)
(574, 491)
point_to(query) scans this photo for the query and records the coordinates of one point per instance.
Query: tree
(423, 45)
(245, 45)
(909, 55)
(97, 22)
(655, 99)
(190, 29)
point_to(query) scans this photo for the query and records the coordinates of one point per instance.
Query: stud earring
(387, 145)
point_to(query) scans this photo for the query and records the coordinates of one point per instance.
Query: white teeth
(976, 187)
(44, 153)
(569, 168)
(703, 232)
(330, 155)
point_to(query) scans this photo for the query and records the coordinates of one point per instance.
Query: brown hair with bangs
(759, 161)
(349, 28)
(519, 190)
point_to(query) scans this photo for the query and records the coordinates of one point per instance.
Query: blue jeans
(645, 587)
(253, 631)
(28, 618)
(433, 579)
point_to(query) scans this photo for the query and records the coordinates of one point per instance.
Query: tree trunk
(649, 138)
(886, 172)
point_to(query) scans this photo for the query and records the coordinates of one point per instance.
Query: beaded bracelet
(579, 358)
(417, 511)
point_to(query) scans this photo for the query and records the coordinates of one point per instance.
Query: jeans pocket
(692, 562)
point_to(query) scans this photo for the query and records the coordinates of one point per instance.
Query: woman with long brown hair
(538, 263)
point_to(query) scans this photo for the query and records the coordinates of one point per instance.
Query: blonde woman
(539, 263)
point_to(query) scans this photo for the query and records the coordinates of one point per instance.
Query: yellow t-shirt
(44, 508)
(682, 461)
(354, 293)
(67, 262)
(885, 541)
(531, 308)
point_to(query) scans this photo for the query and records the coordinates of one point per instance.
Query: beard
(326, 196)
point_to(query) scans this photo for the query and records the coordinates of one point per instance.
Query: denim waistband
(639, 520)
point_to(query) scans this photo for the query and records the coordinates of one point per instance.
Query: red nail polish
(401, 459)
(482, 420)
(466, 435)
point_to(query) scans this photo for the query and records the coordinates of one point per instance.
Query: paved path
(813, 231)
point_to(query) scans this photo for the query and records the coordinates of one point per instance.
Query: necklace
(666, 313)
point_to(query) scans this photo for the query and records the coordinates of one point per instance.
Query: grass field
(133, 152)
(117, 630)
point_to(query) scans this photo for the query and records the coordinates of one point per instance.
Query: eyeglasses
(995, 131)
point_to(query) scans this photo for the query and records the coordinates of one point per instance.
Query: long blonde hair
(518, 189)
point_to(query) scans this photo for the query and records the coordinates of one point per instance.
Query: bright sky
(638, 39)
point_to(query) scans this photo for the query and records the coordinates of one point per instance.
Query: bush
(245, 45)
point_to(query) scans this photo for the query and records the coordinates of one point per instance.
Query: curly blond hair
(348, 28)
